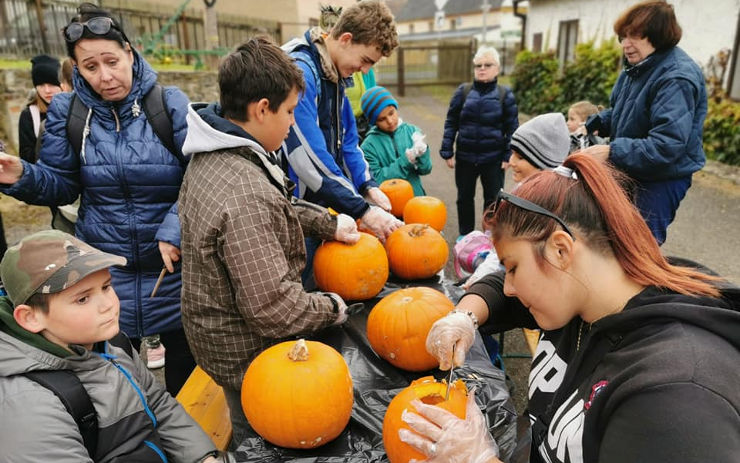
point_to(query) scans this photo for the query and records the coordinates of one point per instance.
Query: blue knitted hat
(374, 100)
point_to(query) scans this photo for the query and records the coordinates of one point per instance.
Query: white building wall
(707, 26)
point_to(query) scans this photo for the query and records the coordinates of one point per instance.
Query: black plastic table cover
(376, 382)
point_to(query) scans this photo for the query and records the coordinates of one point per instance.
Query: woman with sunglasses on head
(639, 357)
(128, 179)
(480, 121)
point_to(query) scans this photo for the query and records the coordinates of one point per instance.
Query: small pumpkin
(429, 391)
(398, 325)
(416, 251)
(298, 394)
(426, 209)
(354, 271)
(399, 192)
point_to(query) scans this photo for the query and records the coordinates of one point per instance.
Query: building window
(453, 24)
(537, 42)
(431, 26)
(411, 28)
(567, 39)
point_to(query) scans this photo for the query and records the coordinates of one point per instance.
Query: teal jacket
(386, 155)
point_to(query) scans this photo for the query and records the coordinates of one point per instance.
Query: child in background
(541, 143)
(61, 313)
(392, 147)
(577, 115)
(45, 77)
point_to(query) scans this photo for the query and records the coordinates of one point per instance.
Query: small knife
(449, 378)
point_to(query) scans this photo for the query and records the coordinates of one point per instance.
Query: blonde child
(578, 113)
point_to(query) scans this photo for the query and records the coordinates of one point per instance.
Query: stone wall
(15, 86)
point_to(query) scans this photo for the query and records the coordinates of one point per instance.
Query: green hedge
(540, 87)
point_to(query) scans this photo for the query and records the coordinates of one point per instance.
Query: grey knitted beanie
(544, 141)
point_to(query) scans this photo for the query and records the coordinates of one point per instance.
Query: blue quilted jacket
(129, 184)
(656, 118)
(480, 126)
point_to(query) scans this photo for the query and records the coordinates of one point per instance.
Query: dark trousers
(466, 176)
(658, 203)
(240, 428)
(178, 360)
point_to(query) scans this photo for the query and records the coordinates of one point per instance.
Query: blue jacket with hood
(656, 118)
(129, 183)
(321, 149)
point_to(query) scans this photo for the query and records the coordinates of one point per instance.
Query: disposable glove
(456, 328)
(346, 229)
(411, 155)
(341, 308)
(377, 197)
(379, 222)
(420, 143)
(443, 437)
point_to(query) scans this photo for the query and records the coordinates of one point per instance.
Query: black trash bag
(376, 382)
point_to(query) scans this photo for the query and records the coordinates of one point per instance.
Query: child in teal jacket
(393, 148)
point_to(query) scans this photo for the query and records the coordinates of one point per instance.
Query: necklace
(580, 332)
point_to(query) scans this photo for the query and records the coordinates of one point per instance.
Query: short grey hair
(487, 50)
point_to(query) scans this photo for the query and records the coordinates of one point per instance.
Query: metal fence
(420, 65)
(30, 27)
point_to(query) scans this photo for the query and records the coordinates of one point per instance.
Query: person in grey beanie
(541, 143)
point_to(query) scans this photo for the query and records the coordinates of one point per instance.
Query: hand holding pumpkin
(456, 329)
(379, 222)
(341, 308)
(346, 230)
(376, 196)
(444, 437)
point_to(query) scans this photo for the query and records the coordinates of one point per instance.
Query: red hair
(597, 207)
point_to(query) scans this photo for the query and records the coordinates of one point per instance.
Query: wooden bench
(204, 400)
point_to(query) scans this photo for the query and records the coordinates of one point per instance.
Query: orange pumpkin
(399, 192)
(426, 209)
(416, 251)
(354, 271)
(429, 391)
(398, 326)
(298, 394)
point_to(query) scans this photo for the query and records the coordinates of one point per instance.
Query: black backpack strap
(76, 116)
(68, 388)
(466, 91)
(122, 341)
(159, 117)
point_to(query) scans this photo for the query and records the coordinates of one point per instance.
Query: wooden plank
(205, 402)
(532, 337)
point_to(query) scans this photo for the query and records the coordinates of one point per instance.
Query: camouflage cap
(48, 262)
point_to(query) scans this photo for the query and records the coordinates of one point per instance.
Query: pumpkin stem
(418, 229)
(299, 352)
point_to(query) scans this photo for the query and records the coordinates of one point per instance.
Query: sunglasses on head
(484, 65)
(522, 203)
(99, 25)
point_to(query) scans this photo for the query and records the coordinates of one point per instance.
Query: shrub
(533, 81)
(722, 132)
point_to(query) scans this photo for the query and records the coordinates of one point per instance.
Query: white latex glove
(379, 222)
(489, 265)
(11, 168)
(458, 329)
(346, 230)
(411, 155)
(443, 437)
(342, 308)
(420, 145)
(377, 197)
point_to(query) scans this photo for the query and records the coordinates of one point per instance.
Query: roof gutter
(524, 22)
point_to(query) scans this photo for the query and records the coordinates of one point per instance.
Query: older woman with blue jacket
(480, 121)
(128, 180)
(657, 112)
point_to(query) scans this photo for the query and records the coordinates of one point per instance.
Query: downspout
(524, 23)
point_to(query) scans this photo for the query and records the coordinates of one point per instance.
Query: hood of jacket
(209, 131)
(143, 79)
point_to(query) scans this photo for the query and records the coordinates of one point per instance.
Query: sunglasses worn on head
(100, 25)
(484, 65)
(522, 203)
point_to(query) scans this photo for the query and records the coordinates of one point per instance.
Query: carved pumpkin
(399, 191)
(416, 251)
(398, 325)
(354, 271)
(298, 394)
(426, 209)
(429, 391)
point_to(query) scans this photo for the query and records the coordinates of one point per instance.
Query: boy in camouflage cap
(59, 314)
